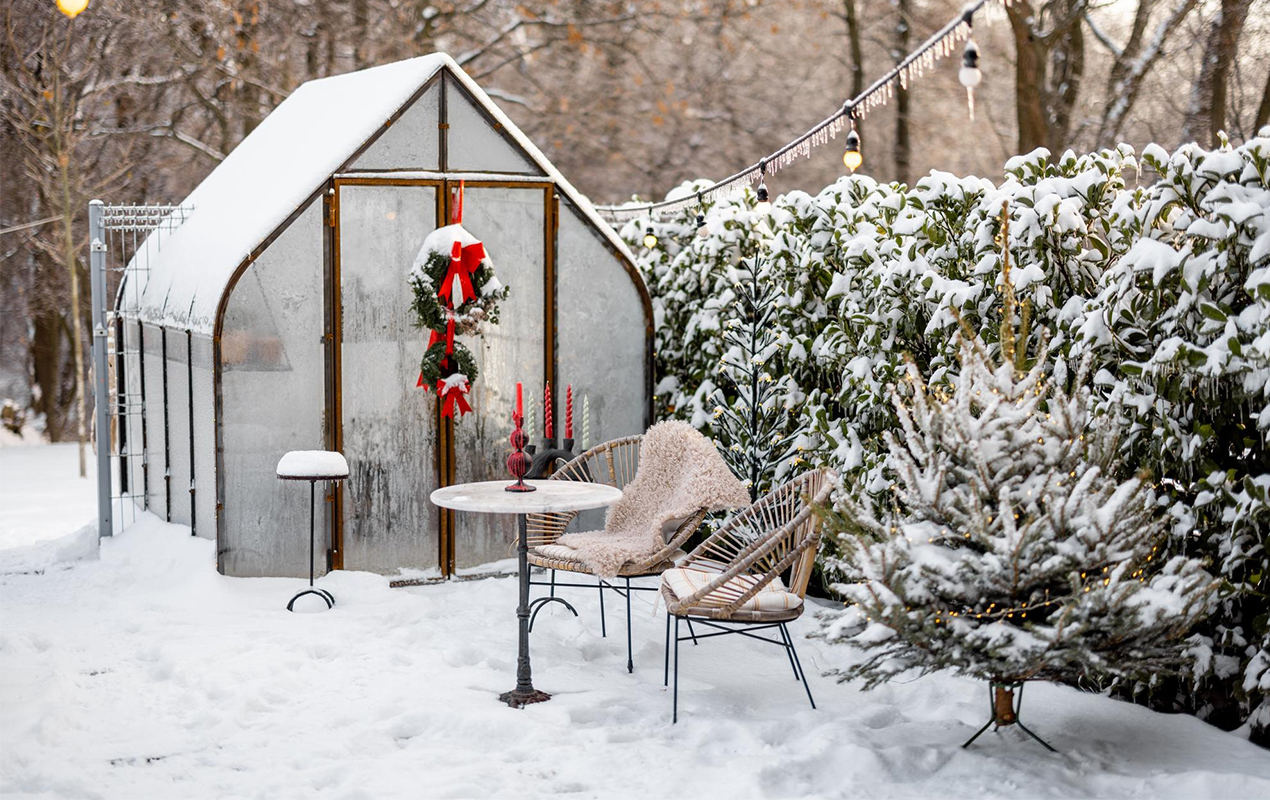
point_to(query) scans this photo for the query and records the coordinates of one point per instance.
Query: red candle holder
(518, 462)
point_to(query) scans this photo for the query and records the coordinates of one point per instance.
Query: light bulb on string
(650, 238)
(970, 76)
(703, 230)
(72, 8)
(764, 198)
(852, 158)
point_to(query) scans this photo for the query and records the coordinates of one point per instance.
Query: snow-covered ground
(146, 674)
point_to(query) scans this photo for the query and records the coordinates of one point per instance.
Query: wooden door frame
(445, 464)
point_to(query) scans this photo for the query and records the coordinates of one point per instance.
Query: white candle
(586, 422)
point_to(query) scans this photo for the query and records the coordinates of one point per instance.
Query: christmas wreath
(455, 294)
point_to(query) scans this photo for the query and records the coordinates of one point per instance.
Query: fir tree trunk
(1003, 704)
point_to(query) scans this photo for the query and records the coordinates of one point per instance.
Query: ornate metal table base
(524, 693)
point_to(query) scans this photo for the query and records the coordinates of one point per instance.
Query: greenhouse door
(398, 448)
(386, 430)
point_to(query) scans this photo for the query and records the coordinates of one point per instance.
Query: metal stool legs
(322, 593)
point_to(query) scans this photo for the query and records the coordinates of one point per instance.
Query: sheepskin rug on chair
(680, 471)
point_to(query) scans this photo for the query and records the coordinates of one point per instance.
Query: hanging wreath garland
(455, 294)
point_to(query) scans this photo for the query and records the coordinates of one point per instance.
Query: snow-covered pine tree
(751, 428)
(1011, 553)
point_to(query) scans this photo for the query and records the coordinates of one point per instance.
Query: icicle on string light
(940, 45)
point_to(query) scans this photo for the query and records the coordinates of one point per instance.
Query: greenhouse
(277, 317)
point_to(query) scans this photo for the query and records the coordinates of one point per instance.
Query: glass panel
(412, 142)
(473, 144)
(273, 399)
(130, 425)
(390, 427)
(156, 424)
(179, 426)
(511, 223)
(601, 332)
(204, 440)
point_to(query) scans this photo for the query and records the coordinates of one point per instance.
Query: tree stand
(1005, 707)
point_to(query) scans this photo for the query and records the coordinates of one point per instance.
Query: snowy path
(147, 674)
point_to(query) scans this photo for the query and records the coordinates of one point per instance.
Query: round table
(492, 497)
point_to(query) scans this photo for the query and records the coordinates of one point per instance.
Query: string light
(764, 203)
(878, 94)
(650, 238)
(852, 157)
(969, 75)
(72, 8)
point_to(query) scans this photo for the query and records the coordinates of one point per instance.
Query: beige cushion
(558, 551)
(561, 552)
(772, 597)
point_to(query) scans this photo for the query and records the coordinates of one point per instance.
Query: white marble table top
(491, 497)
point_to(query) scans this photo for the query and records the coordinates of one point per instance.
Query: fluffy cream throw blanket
(680, 472)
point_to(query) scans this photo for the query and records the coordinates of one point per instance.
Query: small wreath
(455, 294)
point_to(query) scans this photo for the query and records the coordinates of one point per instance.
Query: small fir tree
(1010, 552)
(751, 429)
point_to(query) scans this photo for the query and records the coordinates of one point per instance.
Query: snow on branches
(1011, 551)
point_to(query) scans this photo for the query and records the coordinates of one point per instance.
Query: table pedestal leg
(524, 693)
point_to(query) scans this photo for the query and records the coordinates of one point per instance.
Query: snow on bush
(1158, 271)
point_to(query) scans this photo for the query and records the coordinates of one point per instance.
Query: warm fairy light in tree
(650, 238)
(852, 157)
(72, 8)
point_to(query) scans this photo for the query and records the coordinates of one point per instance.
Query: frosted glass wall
(204, 438)
(156, 420)
(273, 391)
(602, 331)
(178, 377)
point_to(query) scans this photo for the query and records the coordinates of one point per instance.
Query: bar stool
(312, 466)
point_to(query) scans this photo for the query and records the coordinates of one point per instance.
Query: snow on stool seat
(313, 465)
(771, 597)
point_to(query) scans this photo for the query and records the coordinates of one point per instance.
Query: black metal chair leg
(790, 638)
(553, 583)
(691, 632)
(630, 661)
(674, 716)
(788, 650)
(665, 681)
(603, 630)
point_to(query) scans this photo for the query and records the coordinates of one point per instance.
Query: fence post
(101, 378)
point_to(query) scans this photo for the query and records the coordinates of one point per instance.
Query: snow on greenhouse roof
(282, 163)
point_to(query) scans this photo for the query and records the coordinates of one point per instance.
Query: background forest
(137, 101)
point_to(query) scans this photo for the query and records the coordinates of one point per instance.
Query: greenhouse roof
(273, 172)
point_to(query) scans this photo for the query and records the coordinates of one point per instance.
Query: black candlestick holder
(518, 463)
(544, 463)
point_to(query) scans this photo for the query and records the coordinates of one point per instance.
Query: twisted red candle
(546, 412)
(568, 411)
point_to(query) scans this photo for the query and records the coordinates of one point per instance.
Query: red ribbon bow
(453, 396)
(457, 270)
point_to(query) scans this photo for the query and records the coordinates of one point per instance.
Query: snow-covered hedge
(1158, 268)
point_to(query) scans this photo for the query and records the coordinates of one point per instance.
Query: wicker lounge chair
(613, 463)
(751, 574)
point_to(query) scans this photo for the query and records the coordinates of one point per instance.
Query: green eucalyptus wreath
(431, 314)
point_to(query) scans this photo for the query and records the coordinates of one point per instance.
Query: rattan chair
(614, 463)
(751, 574)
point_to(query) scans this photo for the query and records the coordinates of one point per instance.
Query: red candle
(520, 400)
(546, 411)
(568, 411)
